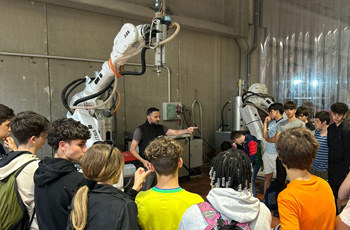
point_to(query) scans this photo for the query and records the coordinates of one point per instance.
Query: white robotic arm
(256, 98)
(130, 41)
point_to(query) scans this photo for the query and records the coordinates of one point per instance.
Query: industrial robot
(94, 106)
(244, 113)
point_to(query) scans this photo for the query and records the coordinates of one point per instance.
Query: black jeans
(280, 177)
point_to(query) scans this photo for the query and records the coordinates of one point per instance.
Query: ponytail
(79, 212)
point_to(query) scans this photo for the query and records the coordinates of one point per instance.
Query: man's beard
(155, 123)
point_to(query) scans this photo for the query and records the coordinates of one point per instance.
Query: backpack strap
(32, 218)
(19, 170)
(213, 218)
(210, 214)
(243, 226)
(16, 173)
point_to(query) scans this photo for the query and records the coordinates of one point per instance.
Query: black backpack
(271, 197)
(13, 213)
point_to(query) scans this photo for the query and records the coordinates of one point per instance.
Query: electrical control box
(172, 110)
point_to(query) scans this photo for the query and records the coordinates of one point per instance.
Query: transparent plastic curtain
(305, 51)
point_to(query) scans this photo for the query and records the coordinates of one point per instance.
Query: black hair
(151, 110)
(323, 116)
(236, 134)
(27, 124)
(277, 107)
(302, 110)
(339, 108)
(289, 105)
(6, 113)
(66, 129)
(225, 146)
(231, 169)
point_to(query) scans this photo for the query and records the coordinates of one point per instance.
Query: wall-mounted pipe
(255, 39)
(240, 56)
(50, 57)
(78, 59)
(166, 67)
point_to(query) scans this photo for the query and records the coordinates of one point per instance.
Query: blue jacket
(250, 146)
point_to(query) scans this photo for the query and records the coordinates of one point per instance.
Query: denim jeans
(256, 169)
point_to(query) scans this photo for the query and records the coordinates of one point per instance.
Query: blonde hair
(97, 167)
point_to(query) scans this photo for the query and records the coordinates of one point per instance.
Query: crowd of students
(57, 196)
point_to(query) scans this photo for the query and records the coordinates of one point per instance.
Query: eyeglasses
(107, 142)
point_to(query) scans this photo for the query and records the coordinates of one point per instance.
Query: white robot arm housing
(256, 98)
(129, 42)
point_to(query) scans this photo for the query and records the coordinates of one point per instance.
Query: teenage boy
(290, 109)
(339, 152)
(303, 115)
(320, 165)
(252, 148)
(162, 206)
(269, 131)
(57, 178)
(29, 128)
(307, 202)
(5, 117)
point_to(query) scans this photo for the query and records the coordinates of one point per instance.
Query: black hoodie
(56, 181)
(2, 151)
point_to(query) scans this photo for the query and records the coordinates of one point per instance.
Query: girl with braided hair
(231, 196)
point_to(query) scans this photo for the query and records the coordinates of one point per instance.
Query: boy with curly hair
(57, 178)
(167, 198)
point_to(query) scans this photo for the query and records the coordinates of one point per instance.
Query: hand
(191, 129)
(146, 164)
(10, 144)
(267, 119)
(140, 178)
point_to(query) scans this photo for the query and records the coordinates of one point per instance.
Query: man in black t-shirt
(147, 132)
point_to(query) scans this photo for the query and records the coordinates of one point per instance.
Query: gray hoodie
(232, 205)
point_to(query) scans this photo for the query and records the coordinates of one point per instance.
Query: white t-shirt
(345, 214)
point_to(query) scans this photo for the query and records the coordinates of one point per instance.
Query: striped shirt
(321, 161)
